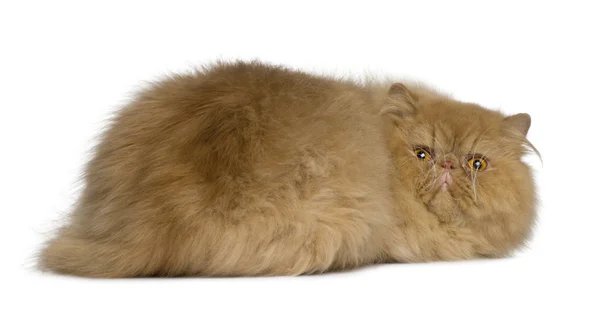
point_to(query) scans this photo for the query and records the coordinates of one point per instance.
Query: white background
(65, 66)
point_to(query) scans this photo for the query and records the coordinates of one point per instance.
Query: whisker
(434, 178)
(475, 180)
(474, 173)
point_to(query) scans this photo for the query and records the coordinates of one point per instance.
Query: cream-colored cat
(251, 169)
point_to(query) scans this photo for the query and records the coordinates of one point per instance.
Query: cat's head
(463, 162)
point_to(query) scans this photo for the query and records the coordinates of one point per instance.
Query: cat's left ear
(521, 122)
(401, 101)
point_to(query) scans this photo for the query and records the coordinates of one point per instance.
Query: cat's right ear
(520, 122)
(400, 102)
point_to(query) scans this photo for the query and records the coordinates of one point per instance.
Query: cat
(246, 168)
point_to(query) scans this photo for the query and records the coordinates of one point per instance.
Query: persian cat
(245, 168)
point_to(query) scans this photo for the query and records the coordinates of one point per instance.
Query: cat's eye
(477, 163)
(422, 154)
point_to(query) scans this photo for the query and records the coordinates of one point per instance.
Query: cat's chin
(441, 200)
(442, 188)
(436, 193)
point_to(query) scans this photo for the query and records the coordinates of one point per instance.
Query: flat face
(462, 159)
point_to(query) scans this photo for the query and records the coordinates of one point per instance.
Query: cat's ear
(401, 102)
(521, 122)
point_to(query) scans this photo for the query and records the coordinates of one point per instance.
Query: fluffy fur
(251, 169)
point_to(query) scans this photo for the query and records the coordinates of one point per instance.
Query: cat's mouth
(440, 195)
(444, 181)
(441, 198)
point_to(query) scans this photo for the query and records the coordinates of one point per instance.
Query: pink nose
(448, 165)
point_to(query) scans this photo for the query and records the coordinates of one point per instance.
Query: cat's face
(463, 162)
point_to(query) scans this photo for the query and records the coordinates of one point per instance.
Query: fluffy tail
(67, 254)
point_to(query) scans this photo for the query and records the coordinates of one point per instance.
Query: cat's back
(232, 116)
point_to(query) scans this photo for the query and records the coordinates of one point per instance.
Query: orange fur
(250, 169)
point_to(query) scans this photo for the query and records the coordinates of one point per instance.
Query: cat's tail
(73, 255)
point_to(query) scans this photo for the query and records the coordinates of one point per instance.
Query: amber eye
(477, 163)
(422, 154)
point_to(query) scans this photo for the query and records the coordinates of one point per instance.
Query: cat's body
(249, 169)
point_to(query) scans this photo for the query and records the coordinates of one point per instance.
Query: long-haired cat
(249, 169)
